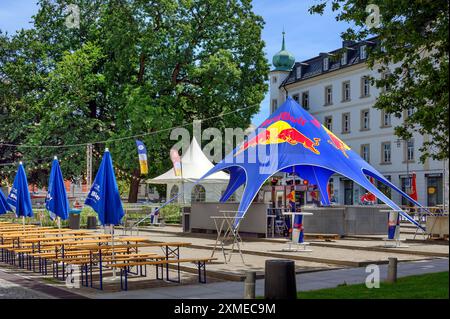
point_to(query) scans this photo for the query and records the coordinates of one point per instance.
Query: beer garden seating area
(96, 255)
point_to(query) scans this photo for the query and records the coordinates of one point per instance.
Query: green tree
(414, 43)
(135, 68)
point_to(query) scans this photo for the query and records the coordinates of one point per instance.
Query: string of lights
(126, 137)
(35, 167)
(120, 172)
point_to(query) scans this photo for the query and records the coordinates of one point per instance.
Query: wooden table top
(71, 242)
(16, 226)
(42, 233)
(62, 238)
(136, 239)
(108, 247)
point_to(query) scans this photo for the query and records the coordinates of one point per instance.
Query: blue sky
(306, 35)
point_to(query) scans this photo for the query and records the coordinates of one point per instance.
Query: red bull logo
(337, 142)
(281, 132)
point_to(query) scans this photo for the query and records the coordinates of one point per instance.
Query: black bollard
(280, 280)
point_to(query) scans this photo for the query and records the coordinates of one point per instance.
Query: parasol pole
(111, 226)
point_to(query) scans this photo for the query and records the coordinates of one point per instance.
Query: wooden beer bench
(124, 268)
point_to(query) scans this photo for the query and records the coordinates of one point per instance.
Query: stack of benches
(36, 248)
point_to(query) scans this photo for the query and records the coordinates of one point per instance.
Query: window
(362, 52)
(344, 58)
(434, 189)
(409, 150)
(274, 105)
(365, 86)
(406, 187)
(386, 152)
(296, 98)
(328, 95)
(365, 120)
(198, 194)
(305, 100)
(409, 112)
(386, 190)
(385, 119)
(365, 152)
(174, 192)
(299, 72)
(325, 63)
(346, 123)
(384, 76)
(232, 197)
(329, 122)
(274, 79)
(345, 91)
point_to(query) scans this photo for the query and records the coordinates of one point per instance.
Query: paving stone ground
(326, 256)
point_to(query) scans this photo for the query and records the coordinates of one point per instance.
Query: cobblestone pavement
(10, 290)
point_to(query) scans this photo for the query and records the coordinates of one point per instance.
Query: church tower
(283, 62)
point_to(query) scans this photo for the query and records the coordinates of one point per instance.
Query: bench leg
(162, 272)
(90, 272)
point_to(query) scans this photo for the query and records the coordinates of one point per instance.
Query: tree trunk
(134, 187)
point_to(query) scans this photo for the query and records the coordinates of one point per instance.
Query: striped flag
(176, 161)
(142, 153)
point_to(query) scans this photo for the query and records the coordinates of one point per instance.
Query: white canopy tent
(194, 165)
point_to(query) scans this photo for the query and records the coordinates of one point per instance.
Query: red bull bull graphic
(281, 132)
(337, 142)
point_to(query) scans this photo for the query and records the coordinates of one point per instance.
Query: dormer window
(363, 52)
(325, 63)
(299, 72)
(344, 58)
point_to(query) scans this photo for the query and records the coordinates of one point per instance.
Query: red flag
(413, 187)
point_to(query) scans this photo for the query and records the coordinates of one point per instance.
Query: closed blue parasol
(4, 206)
(104, 195)
(104, 198)
(19, 197)
(56, 202)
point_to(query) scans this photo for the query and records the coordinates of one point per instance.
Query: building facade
(335, 88)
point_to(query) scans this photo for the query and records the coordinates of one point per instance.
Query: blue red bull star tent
(292, 140)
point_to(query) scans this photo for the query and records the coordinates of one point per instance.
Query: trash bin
(186, 219)
(74, 219)
(91, 222)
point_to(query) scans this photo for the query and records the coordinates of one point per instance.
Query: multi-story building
(335, 88)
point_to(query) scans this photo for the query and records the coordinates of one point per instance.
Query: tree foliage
(413, 58)
(132, 68)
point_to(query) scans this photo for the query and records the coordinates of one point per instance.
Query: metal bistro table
(295, 239)
(225, 223)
